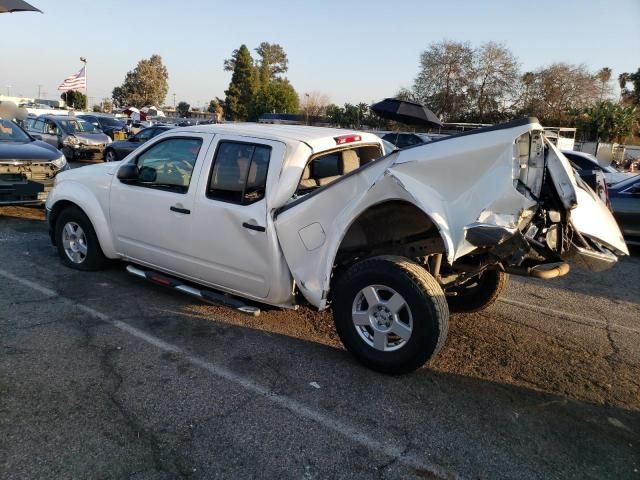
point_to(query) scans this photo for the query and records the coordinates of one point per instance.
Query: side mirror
(128, 173)
(36, 136)
(635, 190)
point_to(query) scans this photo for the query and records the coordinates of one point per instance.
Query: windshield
(10, 132)
(78, 126)
(111, 122)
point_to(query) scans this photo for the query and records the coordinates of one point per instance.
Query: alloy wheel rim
(74, 242)
(382, 318)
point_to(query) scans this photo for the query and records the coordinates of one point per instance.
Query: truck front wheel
(77, 242)
(390, 313)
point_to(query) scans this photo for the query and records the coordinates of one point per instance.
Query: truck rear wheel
(478, 293)
(390, 313)
(77, 242)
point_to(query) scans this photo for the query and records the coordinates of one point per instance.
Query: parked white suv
(283, 214)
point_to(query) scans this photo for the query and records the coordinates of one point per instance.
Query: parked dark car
(106, 123)
(625, 203)
(75, 137)
(119, 150)
(27, 166)
(402, 140)
(585, 161)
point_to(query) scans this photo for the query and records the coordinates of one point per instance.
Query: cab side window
(169, 164)
(239, 173)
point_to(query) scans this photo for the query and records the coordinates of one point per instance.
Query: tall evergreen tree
(239, 95)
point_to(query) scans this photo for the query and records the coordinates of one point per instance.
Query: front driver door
(151, 216)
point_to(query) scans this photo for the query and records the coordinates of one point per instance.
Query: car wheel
(390, 313)
(110, 156)
(76, 241)
(478, 292)
(67, 152)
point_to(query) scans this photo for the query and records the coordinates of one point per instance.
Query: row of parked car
(90, 136)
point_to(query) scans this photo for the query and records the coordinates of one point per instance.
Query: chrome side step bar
(208, 296)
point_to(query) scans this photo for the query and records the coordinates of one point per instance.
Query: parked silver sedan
(75, 137)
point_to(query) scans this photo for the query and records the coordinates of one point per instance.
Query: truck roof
(318, 138)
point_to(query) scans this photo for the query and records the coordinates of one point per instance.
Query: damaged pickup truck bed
(277, 214)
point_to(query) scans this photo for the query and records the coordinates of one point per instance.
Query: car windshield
(111, 122)
(10, 132)
(78, 126)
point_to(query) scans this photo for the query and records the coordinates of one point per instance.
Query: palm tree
(623, 78)
(603, 75)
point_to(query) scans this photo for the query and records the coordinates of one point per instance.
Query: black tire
(423, 297)
(94, 259)
(107, 153)
(67, 152)
(481, 292)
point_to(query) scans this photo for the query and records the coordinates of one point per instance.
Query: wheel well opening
(57, 208)
(390, 228)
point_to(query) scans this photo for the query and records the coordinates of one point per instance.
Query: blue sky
(351, 50)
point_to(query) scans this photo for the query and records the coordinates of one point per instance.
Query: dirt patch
(29, 213)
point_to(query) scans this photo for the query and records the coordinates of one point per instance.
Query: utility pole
(174, 101)
(8, 90)
(39, 88)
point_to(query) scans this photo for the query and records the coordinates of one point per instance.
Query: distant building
(282, 119)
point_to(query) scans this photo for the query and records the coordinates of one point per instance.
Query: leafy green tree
(75, 99)
(607, 122)
(277, 96)
(242, 88)
(273, 62)
(527, 81)
(147, 84)
(182, 109)
(216, 106)
(335, 114)
(630, 96)
(107, 105)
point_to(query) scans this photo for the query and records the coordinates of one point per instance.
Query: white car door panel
(150, 221)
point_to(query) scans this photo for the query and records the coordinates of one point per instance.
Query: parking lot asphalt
(105, 376)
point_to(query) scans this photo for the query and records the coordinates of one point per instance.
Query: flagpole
(86, 84)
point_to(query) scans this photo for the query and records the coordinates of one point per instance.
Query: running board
(205, 295)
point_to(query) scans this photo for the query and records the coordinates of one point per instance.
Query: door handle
(180, 210)
(250, 226)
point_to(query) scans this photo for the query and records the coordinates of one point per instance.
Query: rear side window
(239, 173)
(326, 166)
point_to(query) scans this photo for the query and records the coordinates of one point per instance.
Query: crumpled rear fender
(311, 233)
(96, 211)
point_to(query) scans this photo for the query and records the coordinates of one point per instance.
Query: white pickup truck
(284, 214)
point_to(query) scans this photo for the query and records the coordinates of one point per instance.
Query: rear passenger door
(233, 242)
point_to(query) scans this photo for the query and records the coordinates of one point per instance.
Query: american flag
(74, 82)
